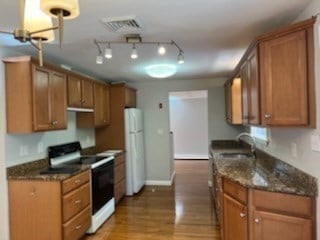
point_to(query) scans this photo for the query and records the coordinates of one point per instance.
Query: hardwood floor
(180, 212)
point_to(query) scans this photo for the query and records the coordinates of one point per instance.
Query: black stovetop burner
(86, 160)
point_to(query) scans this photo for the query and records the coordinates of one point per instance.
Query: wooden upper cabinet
(102, 105)
(80, 92)
(233, 101)
(277, 76)
(101, 115)
(49, 99)
(249, 74)
(245, 95)
(130, 97)
(35, 97)
(254, 87)
(284, 79)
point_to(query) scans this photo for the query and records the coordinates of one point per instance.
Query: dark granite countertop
(31, 171)
(264, 173)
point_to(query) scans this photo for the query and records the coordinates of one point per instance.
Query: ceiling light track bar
(137, 43)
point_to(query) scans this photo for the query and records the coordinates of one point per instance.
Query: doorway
(189, 124)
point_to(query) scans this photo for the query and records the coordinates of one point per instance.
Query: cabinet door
(87, 94)
(74, 92)
(253, 88)
(35, 210)
(284, 82)
(236, 111)
(41, 99)
(245, 93)
(272, 226)
(58, 90)
(101, 106)
(130, 97)
(228, 102)
(235, 224)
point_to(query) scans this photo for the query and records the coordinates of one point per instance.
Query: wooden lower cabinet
(50, 210)
(235, 223)
(119, 177)
(273, 226)
(250, 214)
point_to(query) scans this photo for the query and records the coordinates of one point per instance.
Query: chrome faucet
(253, 142)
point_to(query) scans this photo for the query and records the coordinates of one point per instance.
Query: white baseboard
(157, 183)
(161, 182)
(190, 156)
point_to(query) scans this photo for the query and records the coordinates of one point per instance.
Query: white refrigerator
(135, 163)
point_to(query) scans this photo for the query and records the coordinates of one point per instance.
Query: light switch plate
(294, 151)
(315, 143)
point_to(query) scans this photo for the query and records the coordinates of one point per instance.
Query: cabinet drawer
(119, 172)
(235, 190)
(78, 225)
(285, 203)
(74, 182)
(76, 201)
(119, 190)
(119, 160)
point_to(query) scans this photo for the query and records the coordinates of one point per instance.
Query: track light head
(161, 50)
(99, 59)
(134, 52)
(180, 58)
(108, 52)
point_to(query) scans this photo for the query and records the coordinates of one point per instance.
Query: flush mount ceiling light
(35, 24)
(134, 40)
(161, 70)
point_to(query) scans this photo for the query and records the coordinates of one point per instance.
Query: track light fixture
(135, 40)
(99, 58)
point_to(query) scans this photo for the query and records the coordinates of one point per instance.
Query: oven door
(102, 185)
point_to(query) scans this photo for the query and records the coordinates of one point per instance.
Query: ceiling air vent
(122, 24)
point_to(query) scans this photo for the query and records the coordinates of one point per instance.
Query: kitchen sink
(237, 155)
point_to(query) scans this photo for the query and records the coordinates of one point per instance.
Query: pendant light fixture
(35, 26)
(60, 9)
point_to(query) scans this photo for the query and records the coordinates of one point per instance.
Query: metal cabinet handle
(267, 115)
(104, 121)
(78, 227)
(242, 215)
(77, 181)
(54, 123)
(77, 201)
(256, 220)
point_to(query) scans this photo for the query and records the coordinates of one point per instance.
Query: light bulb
(134, 53)
(99, 59)
(180, 58)
(108, 53)
(161, 50)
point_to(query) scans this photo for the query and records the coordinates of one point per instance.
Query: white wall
(281, 139)
(189, 123)
(157, 126)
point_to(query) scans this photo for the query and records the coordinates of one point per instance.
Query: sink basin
(237, 155)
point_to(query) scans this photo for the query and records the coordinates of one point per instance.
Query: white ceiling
(213, 34)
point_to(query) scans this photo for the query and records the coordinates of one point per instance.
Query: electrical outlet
(24, 151)
(294, 151)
